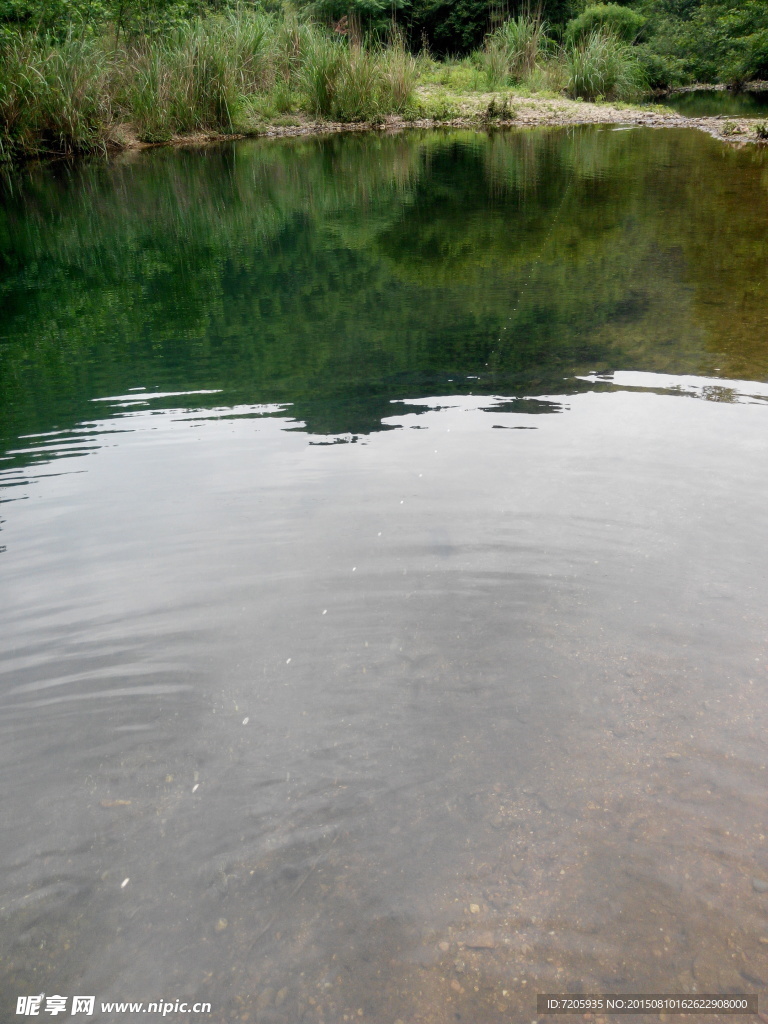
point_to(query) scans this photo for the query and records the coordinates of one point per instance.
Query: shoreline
(471, 113)
(677, 90)
(529, 112)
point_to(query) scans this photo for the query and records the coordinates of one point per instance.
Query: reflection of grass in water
(300, 269)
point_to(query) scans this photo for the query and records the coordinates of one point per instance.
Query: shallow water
(384, 577)
(714, 102)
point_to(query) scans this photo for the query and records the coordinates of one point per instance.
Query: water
(384, 577)
(714, 102)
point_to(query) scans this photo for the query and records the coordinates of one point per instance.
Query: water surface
(383, 574)
(714, 102)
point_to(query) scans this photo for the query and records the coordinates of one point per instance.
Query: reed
(601, 65)
(514, 51)
(54, 96)
(357, 83)
(205, 74)
(321, 71)
(494, 60)
(524, 41)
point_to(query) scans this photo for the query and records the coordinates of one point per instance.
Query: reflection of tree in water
(337, 274)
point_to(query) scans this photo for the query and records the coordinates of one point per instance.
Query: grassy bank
(227, 73)
(242, 69)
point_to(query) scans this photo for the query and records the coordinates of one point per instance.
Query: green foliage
(197, 76)
(495, 64)
(449, 26)
(705, 40)
(761, 131)
(680, 40)
(465, 75)
(439, 107)
(73, 71)
(188, 80)
(661, 69)
(623, 22)
(51, 16)
(369, 18)
(321, 72)
(57, 18)
(602, 66)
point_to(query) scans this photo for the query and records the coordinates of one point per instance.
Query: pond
(383, 573)
(714, 102)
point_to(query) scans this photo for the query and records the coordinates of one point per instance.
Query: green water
(339, 274)
(383, 577)
(719, 102)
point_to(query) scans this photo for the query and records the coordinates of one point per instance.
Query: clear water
(714, 102)
(383, 575)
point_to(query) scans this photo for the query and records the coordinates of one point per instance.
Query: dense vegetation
(77, 74)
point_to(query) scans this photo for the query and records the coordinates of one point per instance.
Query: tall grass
(189, 80)
(320, 73)
(54, 96)
(524, 40)
(203, 75)
(513, 51)
(494, 59)
(601, 65)
(229, 72)
(355, 83)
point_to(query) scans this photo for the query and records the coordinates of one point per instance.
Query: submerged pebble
(265, 999)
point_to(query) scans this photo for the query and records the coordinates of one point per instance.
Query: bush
(749, 59)
(460, 26)
(52, 17)
(449, 26)
(502, 111)
(622, 22)
(600, 65)
(661, 70)
(358, 92)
